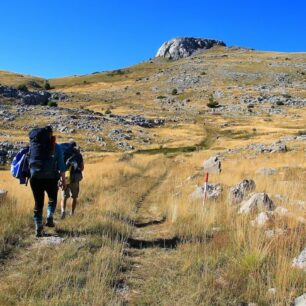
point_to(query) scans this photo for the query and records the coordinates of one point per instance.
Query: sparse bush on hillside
(212, 102)
(23, 87)
(52, 104)
(279, 103)
(138, 93)
(203, 73)
(174, 91)
(47, 86)
(161, 97)
(108, 112)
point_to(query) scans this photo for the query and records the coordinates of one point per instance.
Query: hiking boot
(63, 215)
(39, 232)
(50, 222)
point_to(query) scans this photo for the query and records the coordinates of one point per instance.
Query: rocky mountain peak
(180, 47)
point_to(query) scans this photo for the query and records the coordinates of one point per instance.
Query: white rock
(51, 240)
(213, 192)
(299, 262)
(266, 171)
(300, 301)
(3, 193)
(282, 211)
(272, 291)
(262, 218)
(274, 233)
(238, 192)
(212, 165)
(257, 201)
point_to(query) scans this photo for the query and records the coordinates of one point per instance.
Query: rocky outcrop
(257, 201)
(31, 97)
(300, 301)
(8, 150)
(213, 191)
(238, 192)
(212, 165)
(180, 47)
(300, 261)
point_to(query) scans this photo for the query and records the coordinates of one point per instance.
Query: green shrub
(174, 91)
(108, 112)
(212, 102)
(138, 93)
(47, 86)
(161, 97)
(23, 87)
(52, 104)
(203, 73)
(279, 103)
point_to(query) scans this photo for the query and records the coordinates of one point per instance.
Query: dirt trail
(151, 239)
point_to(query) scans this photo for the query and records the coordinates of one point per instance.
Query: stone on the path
(300, 301)
(3, 193)
(257, 201)
(55, 240)
(238, 192)
(212, 165)
(266, 171)
(300, 261)
(263, 218)
(213, 192)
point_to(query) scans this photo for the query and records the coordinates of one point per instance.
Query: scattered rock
(271, 233)
(180, 47)
(51, 240)
(263, 218)
(238, 192)
(266, 171)
(272, 291)
(213, 192)
(212, 165)
(300, 301)
(281, 211)
(300, 261)
(257, 201)
(277, 147)
(3, 194)
(8, 150)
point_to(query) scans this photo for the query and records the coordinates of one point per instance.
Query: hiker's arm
(61, 166)
(63, 180)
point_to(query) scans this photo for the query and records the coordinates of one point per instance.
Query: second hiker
(74, 167)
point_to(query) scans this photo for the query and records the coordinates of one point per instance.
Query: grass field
(138, 237)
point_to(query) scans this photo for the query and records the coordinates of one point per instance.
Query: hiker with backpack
(46, 172)
(74, 168)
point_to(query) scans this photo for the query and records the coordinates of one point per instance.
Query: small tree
(23, 87)
(52, 104)
(212, 102)
(47, 85)
(174, 91)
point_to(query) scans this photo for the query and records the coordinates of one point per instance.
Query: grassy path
(151, 241)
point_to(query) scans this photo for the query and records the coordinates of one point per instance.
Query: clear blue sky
(66, 37)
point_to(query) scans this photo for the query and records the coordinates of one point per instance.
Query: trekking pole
(205, 188)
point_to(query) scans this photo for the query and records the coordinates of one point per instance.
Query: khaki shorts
(72, 191)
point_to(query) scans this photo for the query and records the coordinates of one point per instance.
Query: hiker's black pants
(39, 187)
